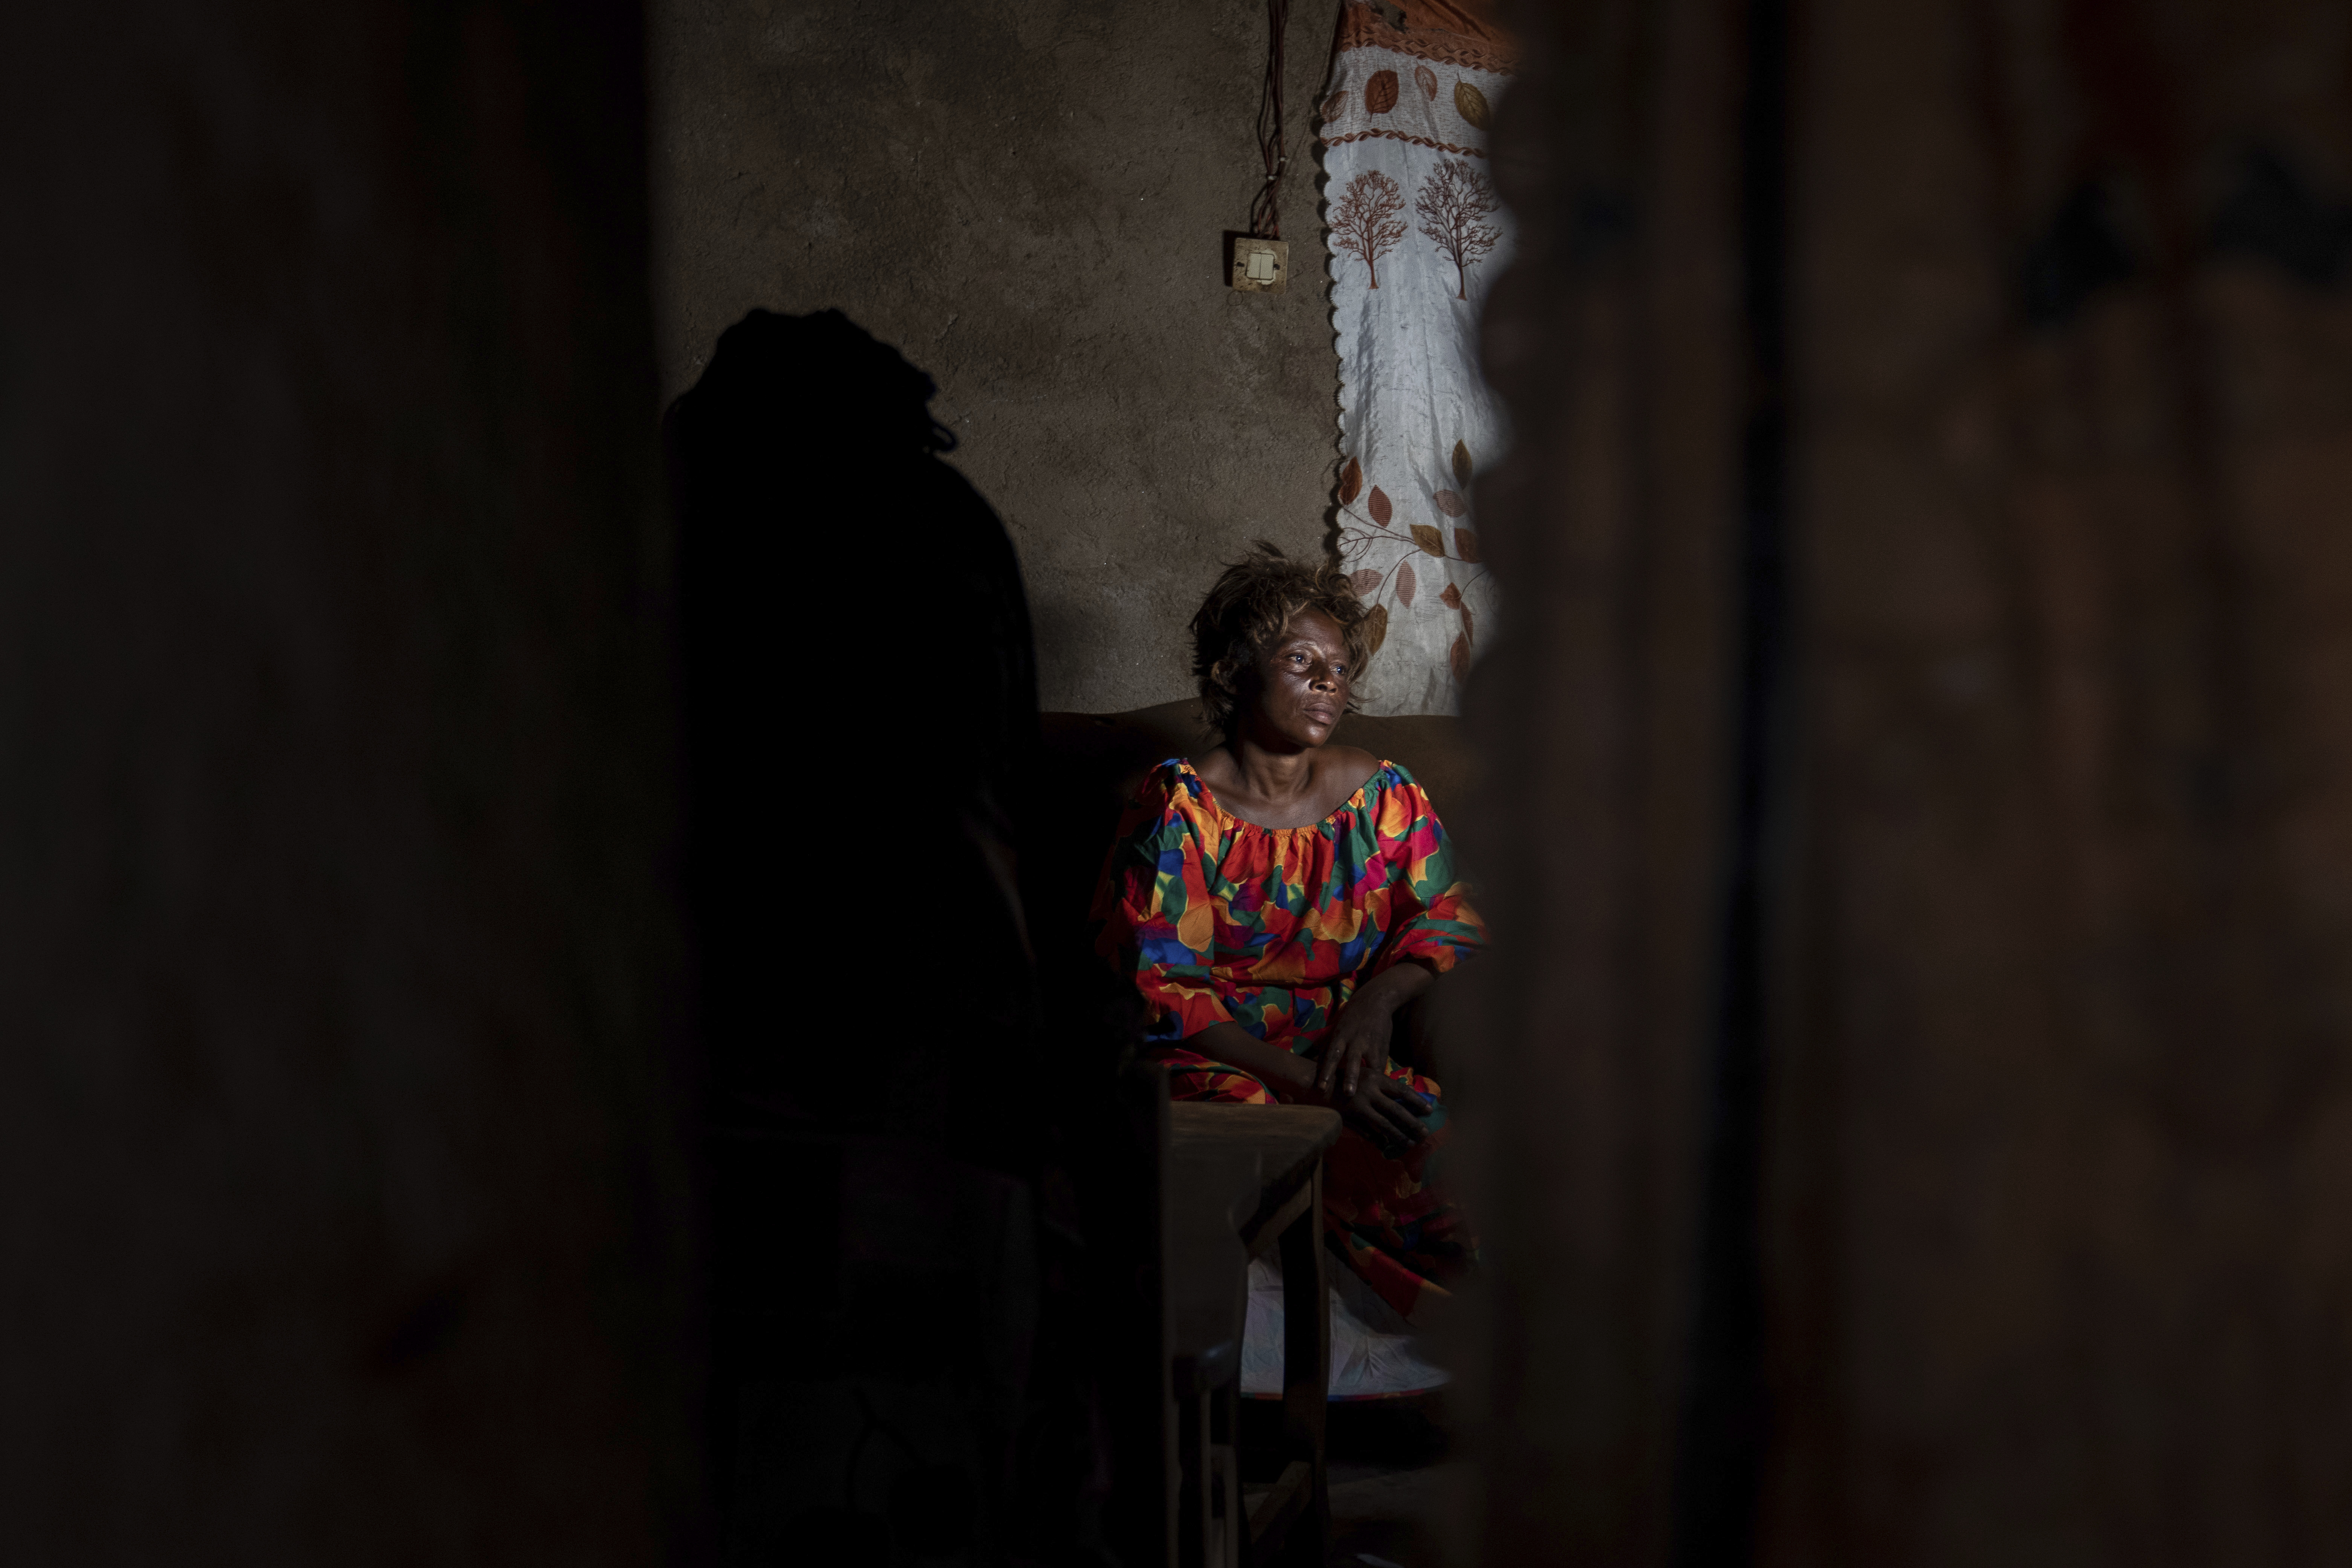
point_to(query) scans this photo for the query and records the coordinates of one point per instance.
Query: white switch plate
(1261, 266)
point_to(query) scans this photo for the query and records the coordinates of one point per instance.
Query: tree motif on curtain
(1450, 204)
(1366, 224)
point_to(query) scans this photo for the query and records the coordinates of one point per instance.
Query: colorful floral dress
(1222, 920)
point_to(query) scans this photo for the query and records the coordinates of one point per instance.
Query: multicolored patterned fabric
(1221, 921)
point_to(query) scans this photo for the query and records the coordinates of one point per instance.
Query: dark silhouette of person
(860, 701)
(860, 718)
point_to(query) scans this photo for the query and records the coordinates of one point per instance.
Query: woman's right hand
(1378, 1107)
(1385, 1111)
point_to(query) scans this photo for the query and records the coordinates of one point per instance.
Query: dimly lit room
(1349, 784)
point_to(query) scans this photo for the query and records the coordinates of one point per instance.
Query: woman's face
(1301, 687)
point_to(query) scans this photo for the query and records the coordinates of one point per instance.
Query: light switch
(1261, 266)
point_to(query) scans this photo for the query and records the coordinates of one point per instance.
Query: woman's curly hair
(1250, 606)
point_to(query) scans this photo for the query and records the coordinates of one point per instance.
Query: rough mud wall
(1029, 199)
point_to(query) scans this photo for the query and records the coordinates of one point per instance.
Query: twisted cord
(1265, 211)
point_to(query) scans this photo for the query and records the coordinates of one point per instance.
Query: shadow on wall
(859, 691)
(891, 1362)
(1071, 633)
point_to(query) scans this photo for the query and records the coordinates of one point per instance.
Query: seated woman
(1279, 899)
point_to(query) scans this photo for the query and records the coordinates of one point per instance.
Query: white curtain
(1417, 236)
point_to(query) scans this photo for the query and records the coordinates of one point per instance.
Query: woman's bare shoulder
(1346, 769)
(1216, 764)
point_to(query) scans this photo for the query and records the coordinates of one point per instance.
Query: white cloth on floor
(1374, 1352)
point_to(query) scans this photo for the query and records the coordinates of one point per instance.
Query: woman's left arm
(1437, 930)
(1360, 1035)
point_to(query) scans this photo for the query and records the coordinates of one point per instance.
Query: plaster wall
(1029, 199)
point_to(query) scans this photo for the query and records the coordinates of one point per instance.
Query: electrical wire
(1265, 211)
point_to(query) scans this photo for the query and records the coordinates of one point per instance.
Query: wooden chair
(1239, 1180)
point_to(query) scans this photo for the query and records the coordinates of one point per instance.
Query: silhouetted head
(810, 498)
(860, 703)
(1275, 633)
(819, 385)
